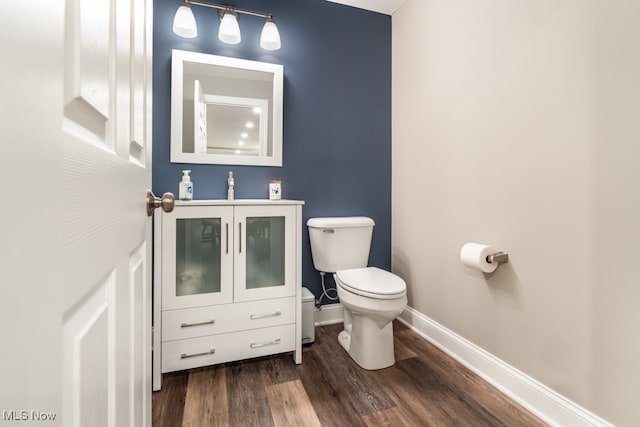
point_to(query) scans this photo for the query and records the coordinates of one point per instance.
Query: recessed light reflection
(244, 135)
(240, 143)
(257, 110)
(238, 151)
(249, 125)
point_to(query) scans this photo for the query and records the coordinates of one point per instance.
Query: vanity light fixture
(270, 37)
(229, 31)
(184, 24)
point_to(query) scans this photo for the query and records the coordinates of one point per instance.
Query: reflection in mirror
(225, 110)
(226, 125)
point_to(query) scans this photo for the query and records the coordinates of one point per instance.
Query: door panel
(197, 257)
(140, 313)
(86, 349)
(264, 265)
(87, 68)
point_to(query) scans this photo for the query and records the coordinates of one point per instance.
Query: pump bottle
(186, 186)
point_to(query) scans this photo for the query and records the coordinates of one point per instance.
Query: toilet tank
(340, 243)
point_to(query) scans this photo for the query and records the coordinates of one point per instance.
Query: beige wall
(516, 123)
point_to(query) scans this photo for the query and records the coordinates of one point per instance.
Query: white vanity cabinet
(227, 282)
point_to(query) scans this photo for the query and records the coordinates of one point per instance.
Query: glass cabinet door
(264, 252)
(197, 256)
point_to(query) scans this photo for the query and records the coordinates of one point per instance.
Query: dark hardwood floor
(424, 388)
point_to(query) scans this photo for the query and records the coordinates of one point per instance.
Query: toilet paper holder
(498, 257)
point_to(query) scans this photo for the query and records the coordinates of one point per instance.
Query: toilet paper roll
(474, 255)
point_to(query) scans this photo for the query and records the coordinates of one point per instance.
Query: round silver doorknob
(167, 202)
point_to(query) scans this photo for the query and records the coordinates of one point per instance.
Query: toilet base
(369, 346)
(344, 338)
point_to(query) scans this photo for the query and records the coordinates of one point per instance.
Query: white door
(199, 119)
(75, 157)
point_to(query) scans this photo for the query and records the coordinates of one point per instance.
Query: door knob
(167, 202)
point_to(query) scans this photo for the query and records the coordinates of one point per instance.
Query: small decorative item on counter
(230, 185)
(275, 190)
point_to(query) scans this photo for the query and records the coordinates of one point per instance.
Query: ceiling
(382, 6)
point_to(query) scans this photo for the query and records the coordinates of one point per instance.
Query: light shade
(270, 37)
(229, 31)
(184, 23)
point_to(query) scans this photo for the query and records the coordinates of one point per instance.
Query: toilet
(371, 297)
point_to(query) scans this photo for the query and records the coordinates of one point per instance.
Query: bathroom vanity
(227, 282)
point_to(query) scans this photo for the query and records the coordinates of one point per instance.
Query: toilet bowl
(372, 298)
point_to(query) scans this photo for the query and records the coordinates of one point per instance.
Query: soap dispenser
(186, 186)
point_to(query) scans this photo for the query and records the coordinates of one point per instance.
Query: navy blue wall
(337, 112)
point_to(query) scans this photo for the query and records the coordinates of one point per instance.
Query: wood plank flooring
(424, 388)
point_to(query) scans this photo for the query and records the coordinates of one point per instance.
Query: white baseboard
(330, 314)
(545, 403)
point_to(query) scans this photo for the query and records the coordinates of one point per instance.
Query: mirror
(225, 110)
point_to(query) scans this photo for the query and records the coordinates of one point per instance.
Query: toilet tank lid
(342, 221)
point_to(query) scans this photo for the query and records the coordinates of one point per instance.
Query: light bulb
(270, 37)
(184, 23)
(229, 31)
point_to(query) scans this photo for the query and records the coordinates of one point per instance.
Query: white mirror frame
(179, 57)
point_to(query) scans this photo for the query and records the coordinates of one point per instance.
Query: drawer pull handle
(264, 344)
(208, 322)
(262, 316)
(186, 356)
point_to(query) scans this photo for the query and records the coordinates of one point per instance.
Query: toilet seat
(371, 282)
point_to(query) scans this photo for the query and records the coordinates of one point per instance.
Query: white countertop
(237, 202)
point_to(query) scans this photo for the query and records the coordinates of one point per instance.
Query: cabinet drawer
(220, 319)
(209, 350)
